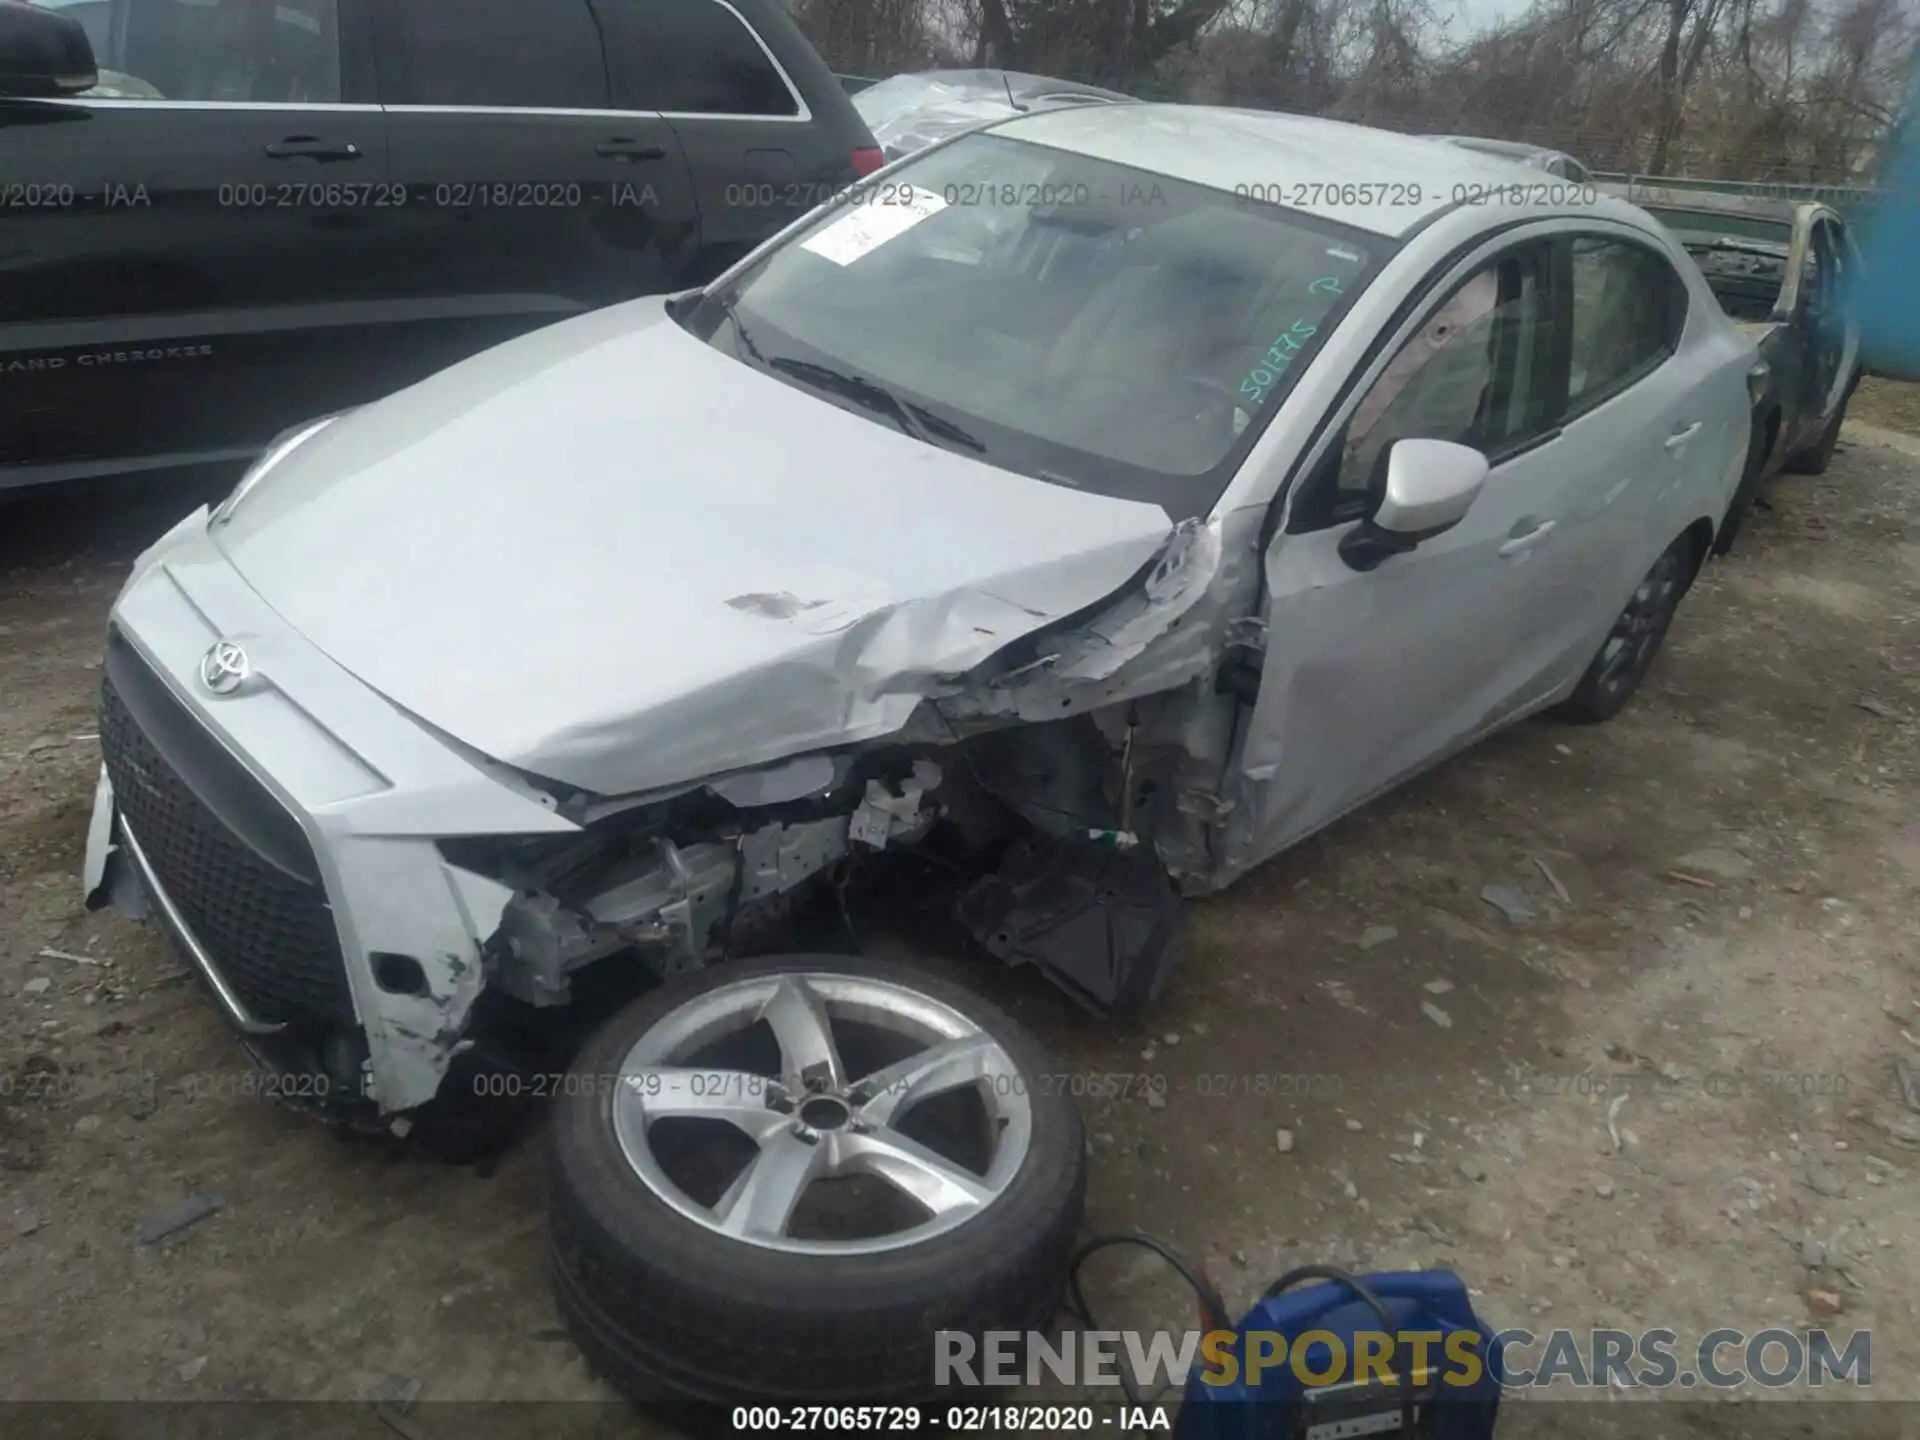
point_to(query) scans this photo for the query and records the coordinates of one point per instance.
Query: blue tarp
(1889, 239)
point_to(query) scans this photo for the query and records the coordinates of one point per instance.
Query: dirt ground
(1888, 405)
(1727, 936)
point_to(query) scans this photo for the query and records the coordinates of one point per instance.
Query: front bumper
(286, 835)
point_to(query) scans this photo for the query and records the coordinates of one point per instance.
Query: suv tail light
(867, 159)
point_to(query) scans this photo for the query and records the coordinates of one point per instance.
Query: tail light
(867, 159)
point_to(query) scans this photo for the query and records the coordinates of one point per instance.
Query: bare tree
(1760, 89)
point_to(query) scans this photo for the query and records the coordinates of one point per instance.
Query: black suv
(219, 217)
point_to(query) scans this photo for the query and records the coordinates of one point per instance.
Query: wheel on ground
(1623, 658)
(1815, 458)
(777, 1180)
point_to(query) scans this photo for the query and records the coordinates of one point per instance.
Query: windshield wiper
(916, 420)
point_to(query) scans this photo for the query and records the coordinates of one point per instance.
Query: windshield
(1744, 257)
(1074, 320)
(1728, 225)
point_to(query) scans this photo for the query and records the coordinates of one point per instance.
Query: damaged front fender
(1155, 636)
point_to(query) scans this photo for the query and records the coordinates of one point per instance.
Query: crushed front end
(370, 899)
(283, 822)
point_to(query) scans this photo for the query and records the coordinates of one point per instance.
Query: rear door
(189, 252)
(723, 74)
(530, 195)
(1636, 430)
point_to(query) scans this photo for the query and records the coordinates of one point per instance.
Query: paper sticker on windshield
(867, 227)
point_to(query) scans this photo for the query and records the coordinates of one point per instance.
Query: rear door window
(691, 57)
(1629, 307)
(493, 54)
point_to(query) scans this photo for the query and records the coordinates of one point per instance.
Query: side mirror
(1420, 489)
(43, 54)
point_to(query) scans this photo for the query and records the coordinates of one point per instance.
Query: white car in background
(1535, 157)
(1080, 511)
(910, 112)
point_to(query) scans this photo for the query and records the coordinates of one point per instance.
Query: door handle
(1682, 435)
(621, 148)
(309, 147)
(1526, 540)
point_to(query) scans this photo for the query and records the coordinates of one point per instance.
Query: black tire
(1815, 459)
(667, 1310)
(1615, 673)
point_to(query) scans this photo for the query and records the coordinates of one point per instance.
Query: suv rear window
(452, 53)
(691, 57)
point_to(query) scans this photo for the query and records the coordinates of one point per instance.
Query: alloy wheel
(1637, 633)
(815, 1120)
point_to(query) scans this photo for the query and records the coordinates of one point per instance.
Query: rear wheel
(1627, 652)
(778, 1179)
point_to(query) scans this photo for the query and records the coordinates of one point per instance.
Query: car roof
(1498, 147)
(1354, 175)
(1706, 204)
(1020, 82)
(1703, 226)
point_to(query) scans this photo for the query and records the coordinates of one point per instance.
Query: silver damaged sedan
(1085, 508)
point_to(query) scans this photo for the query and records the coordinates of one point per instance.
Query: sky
(1479, 14)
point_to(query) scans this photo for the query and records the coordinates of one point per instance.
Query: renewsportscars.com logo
(1656, 1359)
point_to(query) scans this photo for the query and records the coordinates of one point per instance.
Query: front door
(1824, 315)
(1371, 675)
(190, 267)
(530, 197)
(1842, 322)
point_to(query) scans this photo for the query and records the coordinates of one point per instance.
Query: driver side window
(1474, 373)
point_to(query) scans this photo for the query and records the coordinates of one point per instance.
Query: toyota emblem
(224, 668)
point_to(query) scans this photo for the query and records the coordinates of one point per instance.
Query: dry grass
(1887, 403)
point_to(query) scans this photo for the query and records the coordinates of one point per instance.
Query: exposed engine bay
(1047, 830)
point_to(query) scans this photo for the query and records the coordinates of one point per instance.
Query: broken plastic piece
(883, 815)
(1097, 919)
(175, 1218)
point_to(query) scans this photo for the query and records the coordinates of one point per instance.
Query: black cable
(840, 884)
(1373, 1302)
(1213, 1306)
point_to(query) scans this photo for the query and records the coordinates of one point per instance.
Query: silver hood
(611, 555)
